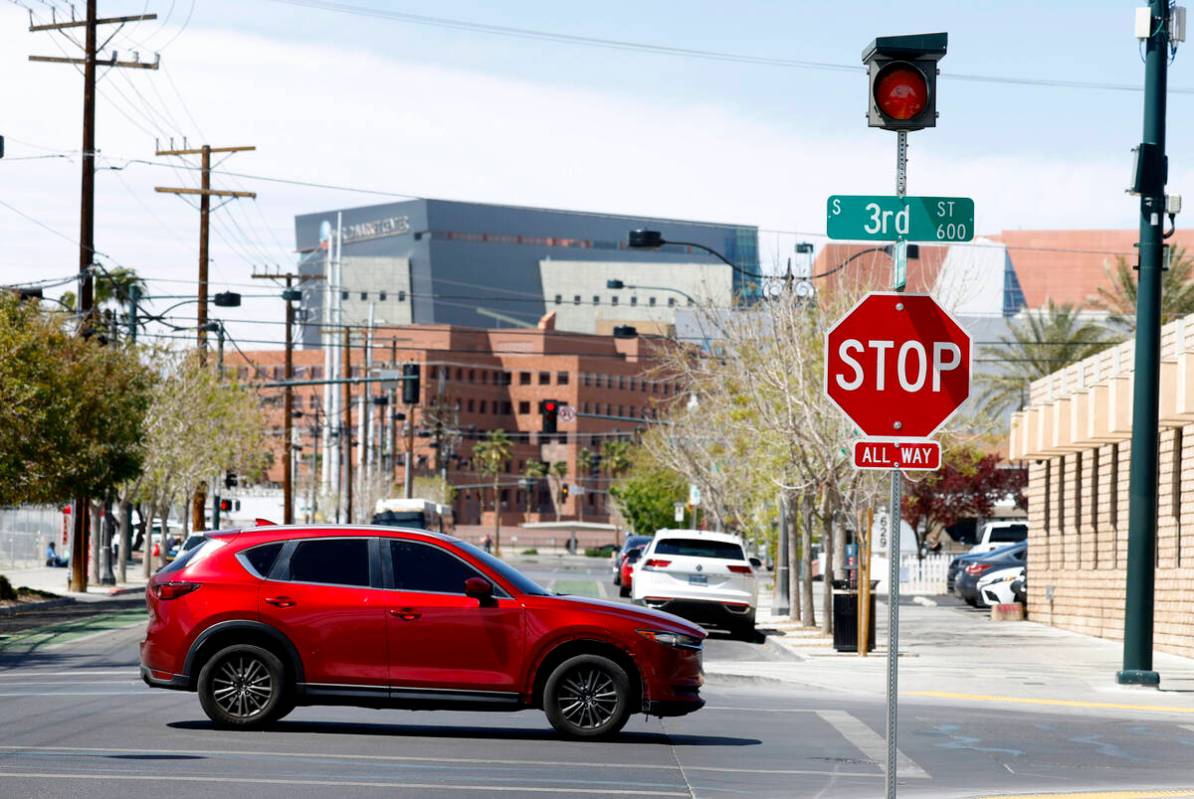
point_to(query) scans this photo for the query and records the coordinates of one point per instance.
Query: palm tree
(586, 459)
(112, 285)
(615, 457)
(1177, 291)
(1040, 344)
(558, 470)
(492, 455)
(535, 471)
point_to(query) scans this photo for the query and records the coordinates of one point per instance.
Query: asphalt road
(75, 720)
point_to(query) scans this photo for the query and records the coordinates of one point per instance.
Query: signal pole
(346, 434)
(205, 192)
(90, 23)
(1142, 487)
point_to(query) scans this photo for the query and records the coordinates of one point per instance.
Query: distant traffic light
(550, 411)
(410, 384)
(563, 492)
(903, 80)
(230, 480)
(225, 505)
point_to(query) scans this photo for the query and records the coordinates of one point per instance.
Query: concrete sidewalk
(56, 581)
(950, 653)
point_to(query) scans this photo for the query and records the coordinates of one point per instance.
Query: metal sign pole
(893, 624)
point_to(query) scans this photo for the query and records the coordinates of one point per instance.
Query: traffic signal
(550, 411)
(230, 480)
(410, 384)
(563, 492)
(225, 505)
(902, 71)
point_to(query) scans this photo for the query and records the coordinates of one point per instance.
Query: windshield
(1014, 533)
(699, 548)
(512, 575)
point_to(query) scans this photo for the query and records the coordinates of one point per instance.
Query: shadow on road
(440, 731)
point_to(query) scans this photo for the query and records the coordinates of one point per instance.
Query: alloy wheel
(242, 686)
(587, 697)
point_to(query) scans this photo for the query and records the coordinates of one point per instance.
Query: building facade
(472, 381)
(1075, 436)
(440, 262)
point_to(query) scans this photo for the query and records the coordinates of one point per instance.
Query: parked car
(966, 586)
(260, 620)
(962, 561)
(997, 535)
(995, 587)
(632, 541)
(627, 578)
(705, 577)
(1020, 589)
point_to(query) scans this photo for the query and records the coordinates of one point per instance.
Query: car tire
(587, 697)
(243, 687)
(744, 630)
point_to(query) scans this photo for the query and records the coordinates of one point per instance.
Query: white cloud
(332, 114)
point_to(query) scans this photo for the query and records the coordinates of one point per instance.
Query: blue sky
(344, 99)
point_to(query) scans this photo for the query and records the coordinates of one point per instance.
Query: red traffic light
(549, 407)
(901, 91)
(225, 505)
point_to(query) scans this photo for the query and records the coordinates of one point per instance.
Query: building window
(507, 409)
(364, 296)
(651, 301)
(507, 377)
(401, 296)
(471, 406)
(613, 300)
(481, 408)
(634, 300)
(585, 379)
(576, 299)
(344, 295)
(484, 375)
(584, 407)
(524, 378)
(545, 378)
(671, 302)
(472, 375)
(459, 374)
(561, 378)
(381, 296)
(524, 406)
(559, 298)
(596, 300)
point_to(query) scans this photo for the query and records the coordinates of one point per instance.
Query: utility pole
(346, 434)
(1149, 183)
(205, 192)
(218, 326)
(89, 62)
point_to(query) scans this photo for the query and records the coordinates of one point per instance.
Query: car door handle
(406, 614)
(280, 601)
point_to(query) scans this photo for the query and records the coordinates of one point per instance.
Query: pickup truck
(1000, 534)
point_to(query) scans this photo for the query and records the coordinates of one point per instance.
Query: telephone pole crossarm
(112, 62)
(207, 192)
(81, 23)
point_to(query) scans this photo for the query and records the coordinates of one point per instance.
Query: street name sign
(888, 455)
(567, 413)
(897, 365)
(879, 218)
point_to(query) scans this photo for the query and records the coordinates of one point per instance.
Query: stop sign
(897, 364)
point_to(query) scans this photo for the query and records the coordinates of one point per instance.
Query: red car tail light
(741, 569)
(173, 590)
(656, 563)
(977, 568)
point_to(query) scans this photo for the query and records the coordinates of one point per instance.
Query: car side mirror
(479, 589)
(755, 562)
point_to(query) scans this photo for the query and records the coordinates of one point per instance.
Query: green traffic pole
(1142, 491)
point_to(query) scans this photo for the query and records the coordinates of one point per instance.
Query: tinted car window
(262, 558)
(1009, 534)
(698, 548)
(423, 567)
(510, 574)
(338, 561)
(633, 555)
(186, 557)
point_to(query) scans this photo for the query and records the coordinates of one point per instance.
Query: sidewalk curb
(42, 605)
(773, 645)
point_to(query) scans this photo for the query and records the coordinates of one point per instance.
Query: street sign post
(886, 218)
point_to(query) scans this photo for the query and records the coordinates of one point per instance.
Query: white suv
(704, 577)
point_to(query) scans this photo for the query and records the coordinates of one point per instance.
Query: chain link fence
(24, 533)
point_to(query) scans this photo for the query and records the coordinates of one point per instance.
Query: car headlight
(677, 640)
(1007, 579)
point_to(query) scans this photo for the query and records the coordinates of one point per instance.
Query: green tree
(647, 495)
(72, 412)
(111, 285)
(1040, 344)
(535, 470)
(1177, 291)
(492, 455)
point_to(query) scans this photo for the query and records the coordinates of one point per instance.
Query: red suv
(258, 621)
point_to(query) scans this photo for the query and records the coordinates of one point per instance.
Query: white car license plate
(698, 579)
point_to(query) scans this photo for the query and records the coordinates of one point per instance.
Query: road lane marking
(81, 672)
(460, 760)
(870, 743)
(424, 786)
(1180, 793)
(1026, 700)
(143, 691)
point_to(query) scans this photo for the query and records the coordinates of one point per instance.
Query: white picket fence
(926, 576)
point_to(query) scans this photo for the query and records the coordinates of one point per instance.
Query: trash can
(845, 622)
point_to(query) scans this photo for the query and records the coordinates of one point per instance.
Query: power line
(686, 52)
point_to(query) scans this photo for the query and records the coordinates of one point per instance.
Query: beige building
(1075, 435)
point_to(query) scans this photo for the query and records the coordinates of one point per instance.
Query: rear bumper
(164, 679)
(702, 611)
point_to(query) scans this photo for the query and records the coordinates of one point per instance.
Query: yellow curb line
(1023, 700)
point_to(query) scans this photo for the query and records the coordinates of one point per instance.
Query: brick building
(475, 380)
(1075, 435)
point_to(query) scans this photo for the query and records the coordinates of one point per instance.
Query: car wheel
(243, 687)
(744, 630)
(587, 696)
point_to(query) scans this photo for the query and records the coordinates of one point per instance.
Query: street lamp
(618, 285)
(913, 254)
(642, 239)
